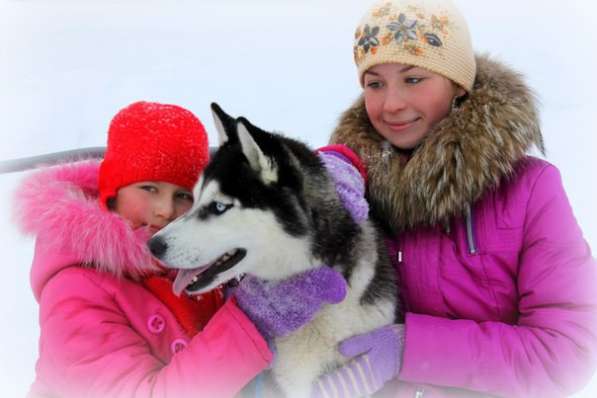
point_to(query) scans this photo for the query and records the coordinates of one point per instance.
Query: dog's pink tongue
(183, 279)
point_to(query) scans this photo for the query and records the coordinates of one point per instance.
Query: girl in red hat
(110, 324)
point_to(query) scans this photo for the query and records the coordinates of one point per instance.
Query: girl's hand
(279, 308)
(350, 184)
(377, 359)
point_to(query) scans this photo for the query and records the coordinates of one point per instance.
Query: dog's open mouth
(193, 280)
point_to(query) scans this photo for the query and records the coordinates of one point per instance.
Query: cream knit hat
(431, 34)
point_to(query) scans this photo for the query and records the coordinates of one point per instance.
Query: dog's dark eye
(218, 208)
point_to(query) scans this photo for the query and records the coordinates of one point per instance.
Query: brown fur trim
(467, 153)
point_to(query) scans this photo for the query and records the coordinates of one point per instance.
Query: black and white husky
(265, 205)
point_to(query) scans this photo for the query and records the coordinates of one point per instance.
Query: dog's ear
(225, 124)
(263, 165)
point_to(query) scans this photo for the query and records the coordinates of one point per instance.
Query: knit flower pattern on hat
(411, 29)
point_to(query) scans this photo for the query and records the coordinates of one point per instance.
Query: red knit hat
(148, 141)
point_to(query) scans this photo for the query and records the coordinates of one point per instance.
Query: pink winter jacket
(508, 308)
(103, 334)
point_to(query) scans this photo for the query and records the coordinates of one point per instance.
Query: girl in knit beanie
(110, 324)
(496, 279)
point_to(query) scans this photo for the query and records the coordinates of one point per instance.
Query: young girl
(496, 280)
(110, 325)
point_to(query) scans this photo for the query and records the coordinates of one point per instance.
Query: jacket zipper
(398, 255)
(470, 233)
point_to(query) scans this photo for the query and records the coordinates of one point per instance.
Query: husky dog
(265, 205)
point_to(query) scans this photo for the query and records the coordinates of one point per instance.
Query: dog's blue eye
(218, 208)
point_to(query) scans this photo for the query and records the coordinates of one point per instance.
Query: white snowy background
(67, 66)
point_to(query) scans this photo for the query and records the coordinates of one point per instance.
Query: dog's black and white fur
(265, 205)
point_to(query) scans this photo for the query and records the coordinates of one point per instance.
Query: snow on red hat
(149, 141)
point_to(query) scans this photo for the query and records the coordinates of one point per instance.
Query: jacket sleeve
(89, 348)
(551, 351)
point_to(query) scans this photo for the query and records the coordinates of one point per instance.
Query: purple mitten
(350, 185)
(279, 308)
(378, 359)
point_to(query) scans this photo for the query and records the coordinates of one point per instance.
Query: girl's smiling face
(404, 102)
(152, 204)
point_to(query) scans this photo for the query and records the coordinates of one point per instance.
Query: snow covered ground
(68, 66)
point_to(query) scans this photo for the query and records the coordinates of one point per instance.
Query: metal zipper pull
(470, 235)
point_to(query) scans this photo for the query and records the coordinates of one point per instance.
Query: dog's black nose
(157, 246)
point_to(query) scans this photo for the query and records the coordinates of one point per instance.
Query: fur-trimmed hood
(467, 153)
(60, 206)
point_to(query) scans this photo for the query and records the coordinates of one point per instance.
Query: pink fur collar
(60, 205)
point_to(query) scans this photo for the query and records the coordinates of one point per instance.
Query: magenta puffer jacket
(498, 284)
(505, 301)
(103, 334)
